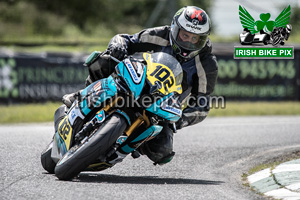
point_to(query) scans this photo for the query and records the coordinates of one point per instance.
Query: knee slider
(165, 159)
(159, 156)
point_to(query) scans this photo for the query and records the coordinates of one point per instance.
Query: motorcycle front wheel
(81, 156)
(46, 160)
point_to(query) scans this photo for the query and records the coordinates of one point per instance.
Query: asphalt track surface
(210, 160)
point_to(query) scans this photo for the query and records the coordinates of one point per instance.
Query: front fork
(132, 139)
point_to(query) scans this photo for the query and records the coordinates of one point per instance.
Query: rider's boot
(160, 148)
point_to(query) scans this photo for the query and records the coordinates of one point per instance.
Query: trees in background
(56, 17)
(95, 18)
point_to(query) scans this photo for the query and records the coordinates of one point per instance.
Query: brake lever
(114, 59)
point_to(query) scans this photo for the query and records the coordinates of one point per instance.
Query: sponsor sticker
(132, 71)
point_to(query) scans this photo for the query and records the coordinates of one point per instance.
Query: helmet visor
(190, 41)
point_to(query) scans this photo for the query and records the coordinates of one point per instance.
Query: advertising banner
(258, 79)
(31, 78)
(37, 78)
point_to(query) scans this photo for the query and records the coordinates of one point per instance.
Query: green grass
(24, 113)
(85, 43)
(73, 41)
(271, 163)
(60, 49)
(44, 112)
(60, 44)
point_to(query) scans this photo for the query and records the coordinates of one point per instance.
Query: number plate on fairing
(65, 132)
(158, 72)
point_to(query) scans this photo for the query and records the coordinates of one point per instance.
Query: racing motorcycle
(113, 116)
(280, 34)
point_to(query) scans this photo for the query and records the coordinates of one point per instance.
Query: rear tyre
(276, 41)
(46, 160)
(80, 157)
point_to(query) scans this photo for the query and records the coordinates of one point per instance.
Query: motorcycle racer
(187, 40)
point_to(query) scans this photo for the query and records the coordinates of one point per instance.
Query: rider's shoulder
(158, 30)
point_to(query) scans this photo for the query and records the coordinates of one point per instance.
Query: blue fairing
(167, 108)
(60, 144)
(152, 131)
(97, 93)
(134, 74)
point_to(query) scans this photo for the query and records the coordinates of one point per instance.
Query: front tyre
(81, 156)
(46, 160)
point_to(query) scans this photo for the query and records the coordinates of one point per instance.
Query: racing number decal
(156, 70)
(64, 131)
(168, 84)
(162, 74)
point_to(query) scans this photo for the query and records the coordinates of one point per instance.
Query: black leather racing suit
(200, 75)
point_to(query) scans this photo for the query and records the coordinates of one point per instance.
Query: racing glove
(117, 50)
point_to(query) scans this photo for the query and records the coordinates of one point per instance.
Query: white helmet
(190, 28)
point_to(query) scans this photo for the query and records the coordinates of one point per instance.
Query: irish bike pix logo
(265, 37)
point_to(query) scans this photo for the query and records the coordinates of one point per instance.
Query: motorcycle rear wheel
(81, 156)
(276, 41)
